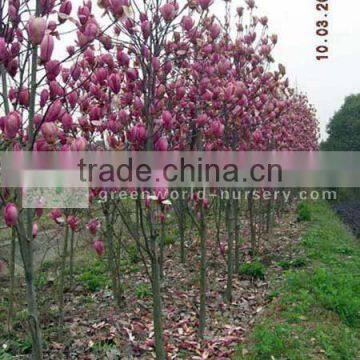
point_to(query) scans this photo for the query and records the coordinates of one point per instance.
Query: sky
(326, 82)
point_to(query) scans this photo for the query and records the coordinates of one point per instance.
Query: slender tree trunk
(71, 264)
(62, 277)
(111, 253)
(230, 233)
(237, 235)
(12, 281)
(27, 254)
(218, 219)
(202, 311)
(181, 222)
(252, 223)
(269, 219)
(157, 311)
(162, 245)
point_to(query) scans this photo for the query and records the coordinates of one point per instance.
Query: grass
(255, 270)
(315, 312)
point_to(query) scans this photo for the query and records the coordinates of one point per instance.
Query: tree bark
(252, 224)
(157, 311)
(237, 236)
(230, 243)
(202, 311)
(71, 264)
(111, 253)
(62, 277)
(12, 281)
(27, 254)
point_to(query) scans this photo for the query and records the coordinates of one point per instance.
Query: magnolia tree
(154, 76)
(37, 108)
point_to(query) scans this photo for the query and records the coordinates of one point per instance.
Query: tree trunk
(111, 253)
(27, 254)
(162, 245)
(252, 224)
(71, 264)
(202, 311)
(157, 312)
(237, 236)
(269, 219)
(218, 220)
(12, 281)
(230, 243)
(62, 278)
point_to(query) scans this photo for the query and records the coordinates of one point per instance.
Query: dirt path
(350, 213)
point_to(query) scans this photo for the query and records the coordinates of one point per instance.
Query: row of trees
(157, 75)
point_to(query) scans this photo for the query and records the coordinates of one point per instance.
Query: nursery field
(298, 299)
(159, 265)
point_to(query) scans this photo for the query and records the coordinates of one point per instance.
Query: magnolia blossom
(11, 214)
(205, 4)
(56, 215)
(73, 222)
(36, 29)
(93, 226)
(35, 230)
(99, 247)
(12, 124)
(168, 12)
(46, 48)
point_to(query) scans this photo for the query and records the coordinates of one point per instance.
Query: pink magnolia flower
(204, 4)
(201, 120)
(79, 144)
(11, 214)
(72, 98)
(257, 136)
(123, 58)
(114, 82)
(138, 133)
(161, 144)
(146, 28)
(117, 7)
(35, 230)
(56, 215)
(12, 124)
(66, 121)
(187, 23)
(93, 226)
(36, 29)
(168, 12)
(49, 131)
(3, 50)
(65, 8)
(46, 48)
(215, 30)
(217, 128)
(167, 119)
(91, 30)
(53, 111)
(44, 96)
(23, 97)
(99, 247)
(73, 222)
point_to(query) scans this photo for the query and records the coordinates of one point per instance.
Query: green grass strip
(316, 314)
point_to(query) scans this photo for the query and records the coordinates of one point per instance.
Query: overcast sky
(327, 82)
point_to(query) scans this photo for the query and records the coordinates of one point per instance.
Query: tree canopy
(344, 127)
